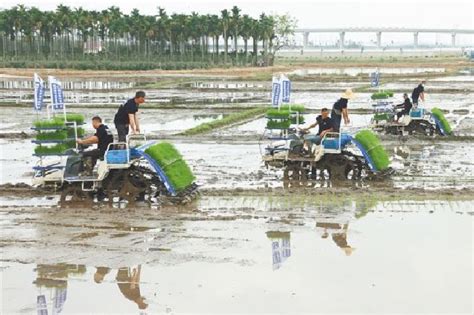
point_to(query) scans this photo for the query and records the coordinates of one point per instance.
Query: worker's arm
(133, 123)
(345, 115)
(89, 140)
(422, 96)
(137, 122)
(310, 126)
(324, 132)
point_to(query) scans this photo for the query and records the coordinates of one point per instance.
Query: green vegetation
(55, 122)
(78, 118)
(376, 151)
(380, 95)
(55, 149)
(110, 39)
(278, 124)
(294, 108)
(275, 113)
(444, 122)
(227, 120)
(172, 163)
(55, 135)
(80, 132)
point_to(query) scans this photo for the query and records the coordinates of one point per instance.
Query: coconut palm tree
(225, 23)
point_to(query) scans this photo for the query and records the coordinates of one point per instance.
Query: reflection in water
(54, 278)
(338, 234)
(128, 281)
(52, 281)
(281, 247)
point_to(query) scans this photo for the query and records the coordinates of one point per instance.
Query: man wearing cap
(127, 116)
(339, 109)
(406, 107)
(418, 92)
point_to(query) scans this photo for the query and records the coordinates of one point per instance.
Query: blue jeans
(315, 139)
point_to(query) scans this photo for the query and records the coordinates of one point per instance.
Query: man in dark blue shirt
(126, 116)
(418, 92)
(325, 123)
(339, 109)
(406, 107)
(102, 137)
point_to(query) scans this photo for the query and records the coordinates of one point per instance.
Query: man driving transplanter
(325, 123)
(103, 137)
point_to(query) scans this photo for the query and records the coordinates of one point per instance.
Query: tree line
(231, 38)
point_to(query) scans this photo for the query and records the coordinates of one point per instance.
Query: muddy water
(153, 121)
(246, 254)
(237, 164)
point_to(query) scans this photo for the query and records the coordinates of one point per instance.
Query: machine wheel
(420, 127)
(73, 195)
(341, 166)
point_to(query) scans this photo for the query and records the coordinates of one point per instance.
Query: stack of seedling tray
(56, 135)
(283, 118)
(382, 95)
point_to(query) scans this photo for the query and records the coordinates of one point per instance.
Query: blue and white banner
(41, 306)
(60, 295)
(39, 92)
(285, 89)
(375, 78)
(57, 95)
(276, 92)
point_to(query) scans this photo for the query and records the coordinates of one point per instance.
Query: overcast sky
(310, 13)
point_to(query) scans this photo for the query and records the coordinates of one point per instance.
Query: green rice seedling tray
(374, 148)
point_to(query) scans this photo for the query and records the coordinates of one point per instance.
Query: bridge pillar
(415, 40)
(341, 39)
(379, 39)
(453, 39)
(305, 39)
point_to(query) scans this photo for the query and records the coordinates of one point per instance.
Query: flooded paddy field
(247, 254)
(251, 242)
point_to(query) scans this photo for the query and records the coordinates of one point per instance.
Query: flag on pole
(375, 78)
(57, 95)
(285, 89)
(39, 92)
(276, 92)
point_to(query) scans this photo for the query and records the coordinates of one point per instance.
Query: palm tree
(235, 26)
(225, 21)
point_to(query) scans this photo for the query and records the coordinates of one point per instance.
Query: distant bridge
(379, 30)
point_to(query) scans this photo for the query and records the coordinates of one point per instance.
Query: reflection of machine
(420, 121)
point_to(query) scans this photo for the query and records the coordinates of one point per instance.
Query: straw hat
(348, 94)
